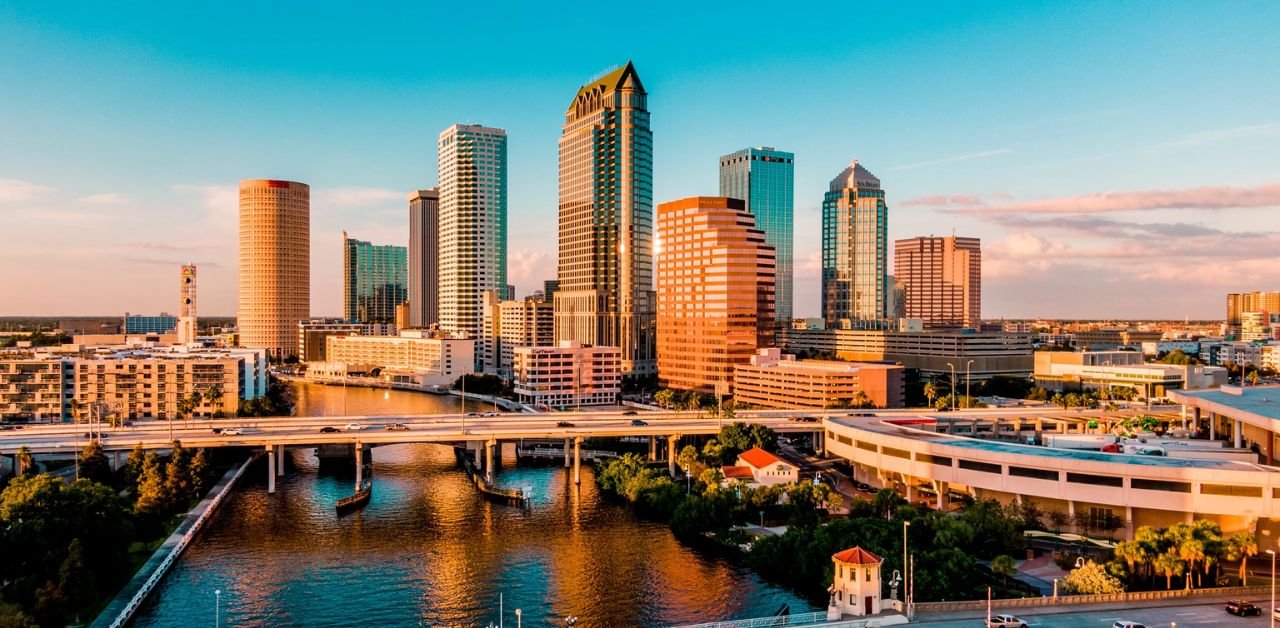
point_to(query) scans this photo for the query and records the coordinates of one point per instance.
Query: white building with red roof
(856, 587)
(757, 466)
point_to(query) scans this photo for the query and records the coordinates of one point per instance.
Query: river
(428, 550)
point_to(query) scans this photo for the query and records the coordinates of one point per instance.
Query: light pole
(217, 607)
(906, 577)
(1273, 587)
(966, 380)
(953, 386)
(517, 618)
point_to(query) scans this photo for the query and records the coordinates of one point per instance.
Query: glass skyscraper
(375, 280)
(764, 178)
(855, 244)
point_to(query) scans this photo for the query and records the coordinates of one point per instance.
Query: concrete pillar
(1190, 517)
(280, 460)
(941, 489)
(577, 460)
(479, 461)
(1071, 511)
(653, 448)
(672, 441)
(566, 453)
(1184, 416)
(488, 460)
(911, 488)
(359, 465)
(1237, 434)
(1213, 426)
(1128, 520)
(995, 427)
(271, 469)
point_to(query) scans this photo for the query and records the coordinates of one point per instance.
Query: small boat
(357, 499)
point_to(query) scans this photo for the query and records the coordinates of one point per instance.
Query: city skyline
(1108, 181)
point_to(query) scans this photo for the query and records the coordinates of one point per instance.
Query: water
(428, 550)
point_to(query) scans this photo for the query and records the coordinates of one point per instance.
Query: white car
(1128, 624)
(233, 431)
(354, 427)
(1005, 621)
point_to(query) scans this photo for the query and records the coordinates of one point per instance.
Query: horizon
(128, 129)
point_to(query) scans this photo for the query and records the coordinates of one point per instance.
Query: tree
(930, 391)
(133, 466)
(185, 407)
(664, 397)
(199, 472)
(690, 461)
(213, 395)
(26, 463)
(1133, 554)
(94, 464)
(75, 581)
(1004, 565)
(1169, 565)
(1240, 546)
(152, 498)
(1091, 579)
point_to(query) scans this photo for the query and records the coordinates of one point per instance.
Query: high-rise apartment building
(424, 257)
(764, 178)
(716, 278)
(605, 295)
(855, 244)
(187, 317)
(275, 263)
(510, 324)
(374, 280)
(1239, 303)
(941, 279)
(473, 223)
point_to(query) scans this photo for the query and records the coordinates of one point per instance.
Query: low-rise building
(1093, 370)
(143, 324)
(759, 467)
(855, 587)
(414, 356)
(774, 380)
(930, 352)
(313, 334)
(568, 375)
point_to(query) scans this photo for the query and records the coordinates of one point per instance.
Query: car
(127, 424)
(329, 429)
(1127, 624)
(630, 413)
(1242, 608)
(396, 427)
(638, 423)
(805, 419)
(1005, 621)
(490, 414)
(476, 414)
(353, 427)
(233, 431)
(563, 424)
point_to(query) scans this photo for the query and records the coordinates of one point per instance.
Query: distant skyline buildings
(275, 264)
(765, 178)
(473, 223)
(424, 257)
(605, 258)
(941, 280)
(374, 280)
(188, 314)
(855, 244)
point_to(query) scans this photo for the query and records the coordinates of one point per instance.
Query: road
(1160, 614)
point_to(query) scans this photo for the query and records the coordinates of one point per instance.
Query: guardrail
(551, 452)
(801, 619)
(160, 570)
(1132, 596)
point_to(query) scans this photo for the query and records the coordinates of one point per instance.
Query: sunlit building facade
(374, 280)
(855, 244)
(275, 263)
(941, 279)
(605, 295)
(765, 179)
(424, 257)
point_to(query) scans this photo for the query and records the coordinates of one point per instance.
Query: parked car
(396, 427)
(1242, 608)
(638, 423)
(353, 427)
(1127, 624)
(1005, 621)
(329, 429)
(563, 424)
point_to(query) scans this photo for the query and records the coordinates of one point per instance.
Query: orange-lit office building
(275, 264)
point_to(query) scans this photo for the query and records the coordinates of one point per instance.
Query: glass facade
(855, 245)
(764, 178)
(139, 324)
(375, 280)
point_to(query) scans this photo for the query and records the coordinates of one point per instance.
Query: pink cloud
(942, 200)
(1209, 197)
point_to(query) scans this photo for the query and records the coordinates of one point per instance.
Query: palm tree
(212, 395)
(1191, 551)
(1005, 566)
(1169, 565)
(1240, 546)
(24, 461)
(1133, 554)
(77, 408)
(930, 391)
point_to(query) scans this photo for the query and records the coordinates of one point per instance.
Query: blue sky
(1118, 159)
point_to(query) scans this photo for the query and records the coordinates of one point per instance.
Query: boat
(357, 499)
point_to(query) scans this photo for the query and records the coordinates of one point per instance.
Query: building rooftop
(759, 458)
(1263, 402)
(611, 81)
(736, 473)
(856, 556)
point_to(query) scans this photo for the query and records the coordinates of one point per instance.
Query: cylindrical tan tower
(275, 264)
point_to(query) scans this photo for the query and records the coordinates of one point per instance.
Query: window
(1160, 485)
(942, 461)
(1096, 480)
(1233, 491)
(974, 465)
(1038, 474)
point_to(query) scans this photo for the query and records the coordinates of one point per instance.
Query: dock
(509, 495)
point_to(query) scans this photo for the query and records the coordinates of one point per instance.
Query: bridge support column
(566, 453)
(911, 488)
(479, 454)
(672, 441)
(359, 465)
(941, 500)
(653, 448)
(577, 460)
(280, 460)
(271, 469)
(488, 460)
(1237, 434)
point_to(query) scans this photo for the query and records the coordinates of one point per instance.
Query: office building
(275, 264)
(549, 289)
(374, 280)
(413, 357)
(855, 244)
(764, 178)
(716, 294)
(775, 380)
(514, 323)
(473, 224)
(424, 257)
(605, 296)
(1106, 370)
(313, 334)
(141, 324)
(941, 279)
(568, 375)
(931, 352)
(1258, 325)
(188, 319)
(1115, 337)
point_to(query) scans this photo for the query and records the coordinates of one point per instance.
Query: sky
(1118, 160)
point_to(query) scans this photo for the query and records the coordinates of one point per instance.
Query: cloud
(1108, 228)
(1208, 197)
(952, 160)
(356, 196)
(17, 191)
(1203, 138)
(104, 198)
(529, 267)
(941, 200)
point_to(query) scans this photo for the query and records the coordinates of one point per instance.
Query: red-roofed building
(767, 468)
(856, 589)
(737, 473)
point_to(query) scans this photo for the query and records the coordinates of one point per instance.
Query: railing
(763, 622)
(552, 452)
(1101, 598)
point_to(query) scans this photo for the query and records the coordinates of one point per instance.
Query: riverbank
(120, 610)
(364, 382)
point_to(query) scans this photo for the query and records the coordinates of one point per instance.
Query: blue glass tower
(763, 177)
(375, 280)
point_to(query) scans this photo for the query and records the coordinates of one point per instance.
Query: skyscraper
(854, 249)
(424, 257)
(764, 178)
(374, 279)
(941, 278)
(187, 317)
(716, 278)
(605, 296)
(1239, 303)
(473, 223)
(275, 264)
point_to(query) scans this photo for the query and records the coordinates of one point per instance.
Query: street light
(517, 618)
(217, 607)
(906, 577)
(953, 386)
(1273, 587)
(966, 380)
